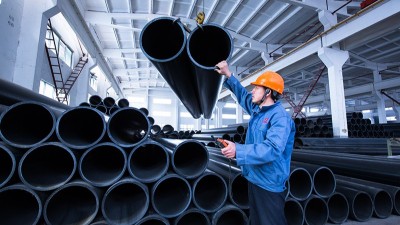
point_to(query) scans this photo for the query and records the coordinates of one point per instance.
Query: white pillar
(239, 113)
(327, 19)
(219, 107)
(380, 101)
(175, 114)
(334, 60)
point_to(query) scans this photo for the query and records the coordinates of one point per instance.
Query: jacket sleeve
(242, 95)
(268, 150)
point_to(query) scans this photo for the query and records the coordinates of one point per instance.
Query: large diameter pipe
(47, 166)
(208, 45)
(192, 216)
(228, 215)
(163, 42)
(26, 124)
(301, 183)
(209, 192)
(19, 205)
(171, 195)
(153, 219)
(81, 127)
(315, 211)
(125, 202)
(338, 208)
(103, 164)
(294, 213)
(148, 162)
(8, 164)
(189, 158)
(73, 203)
(128, 127)
(361, 205)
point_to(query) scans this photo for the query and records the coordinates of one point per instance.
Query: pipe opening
(148, 162)
(338, 208)
(294, 213)
(190, 159)
(103, 164)
(192, 217)
(324, 182)
(362, 207)
(383, 204)
(27, 124)
(7, 165)
(230, 215)
(71, 205)
(209, 193)
(300, 184)
(316, 211)
(239, 191)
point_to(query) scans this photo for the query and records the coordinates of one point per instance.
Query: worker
(265, 156)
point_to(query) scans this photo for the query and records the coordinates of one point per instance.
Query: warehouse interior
(73, 73)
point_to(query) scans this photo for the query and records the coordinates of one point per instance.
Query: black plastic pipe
(153, 219)
(207, 46)
(103, 164)
(81, 127)
(8, 164)
(109, 102)
(238, 129)
(47, 166)
(125, 202)
(209, 192)
(338, 208)
(26, 124)
(192, 216)
(95, 100)
(74, 203)
(148, 162)
(228, 215)
(301, 183)
(207, 137)
(189, 158)
(167, 129)
(128, 127)
(315, 211)
(123, 102)
(171, 195)
(294, 213)
(19, 205)
(163, 42)
(360, 203)
(323, 180)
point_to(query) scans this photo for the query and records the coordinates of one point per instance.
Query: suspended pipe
(128, 127)
(74, 203)
(382, 201)
(103, 164)
(294, 213)
(8, 163)
(361, 205)
(338, 208)
(228, 215)
(81, 127)
(192, 216)
(301, 183)
(171, 195)
(125, 202)
(393, 190)
(315, 211)
(153, 219)
(209, 192)
(323, 180)
(189, 158)
(26, 124)
(207, 46)
(148, 162)
(163, 42)
(19, 205)
(47, 166)
(123, 102)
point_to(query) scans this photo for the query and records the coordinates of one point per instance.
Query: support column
(239, 113)
(380, 101)
(396, 111)
(334, 60)
(176, 116)
(327, 19)
(218, 116)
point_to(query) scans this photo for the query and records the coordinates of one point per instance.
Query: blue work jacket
(265, 156)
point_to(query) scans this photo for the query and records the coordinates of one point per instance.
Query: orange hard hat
(270, 80)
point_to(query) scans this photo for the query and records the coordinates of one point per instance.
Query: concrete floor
(391, 220)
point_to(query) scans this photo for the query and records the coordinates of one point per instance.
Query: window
(185, 115)
(64, 52)
(162, 113)
(93, 81)
(228, 116)
(164, 101)
(186, 127)
(47, 89)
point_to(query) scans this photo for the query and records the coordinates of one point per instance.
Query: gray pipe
(128, 127)
(209, 192)
(163, 42)
(19, 205)
(8, 164)
(361, 205)
(81, 127)
(315, 211)
(338, 208)
(73, 203)
(207, 46)
(148, 162)
(103, 164)
(192, 216)
(125, 202)
(228, 215)
(171, 195)
(47, 166)
(26, 124)
(301, 184)
(294, 212)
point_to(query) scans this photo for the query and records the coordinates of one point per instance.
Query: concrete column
(175, 113)
(326, 100)
(207, 122)
(327, 19)
(218, 116)
(396, 111)
(239, 113)
(30, 51)
(334, 60)
(380, 101)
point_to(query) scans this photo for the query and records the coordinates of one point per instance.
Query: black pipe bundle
(361, 205)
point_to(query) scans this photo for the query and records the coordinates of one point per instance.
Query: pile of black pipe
(233, 133)
(108, 105)
(187, 64)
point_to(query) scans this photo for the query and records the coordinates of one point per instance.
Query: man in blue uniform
(265, 156)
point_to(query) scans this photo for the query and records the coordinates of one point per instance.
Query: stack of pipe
(233, 133)
(108, 105)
